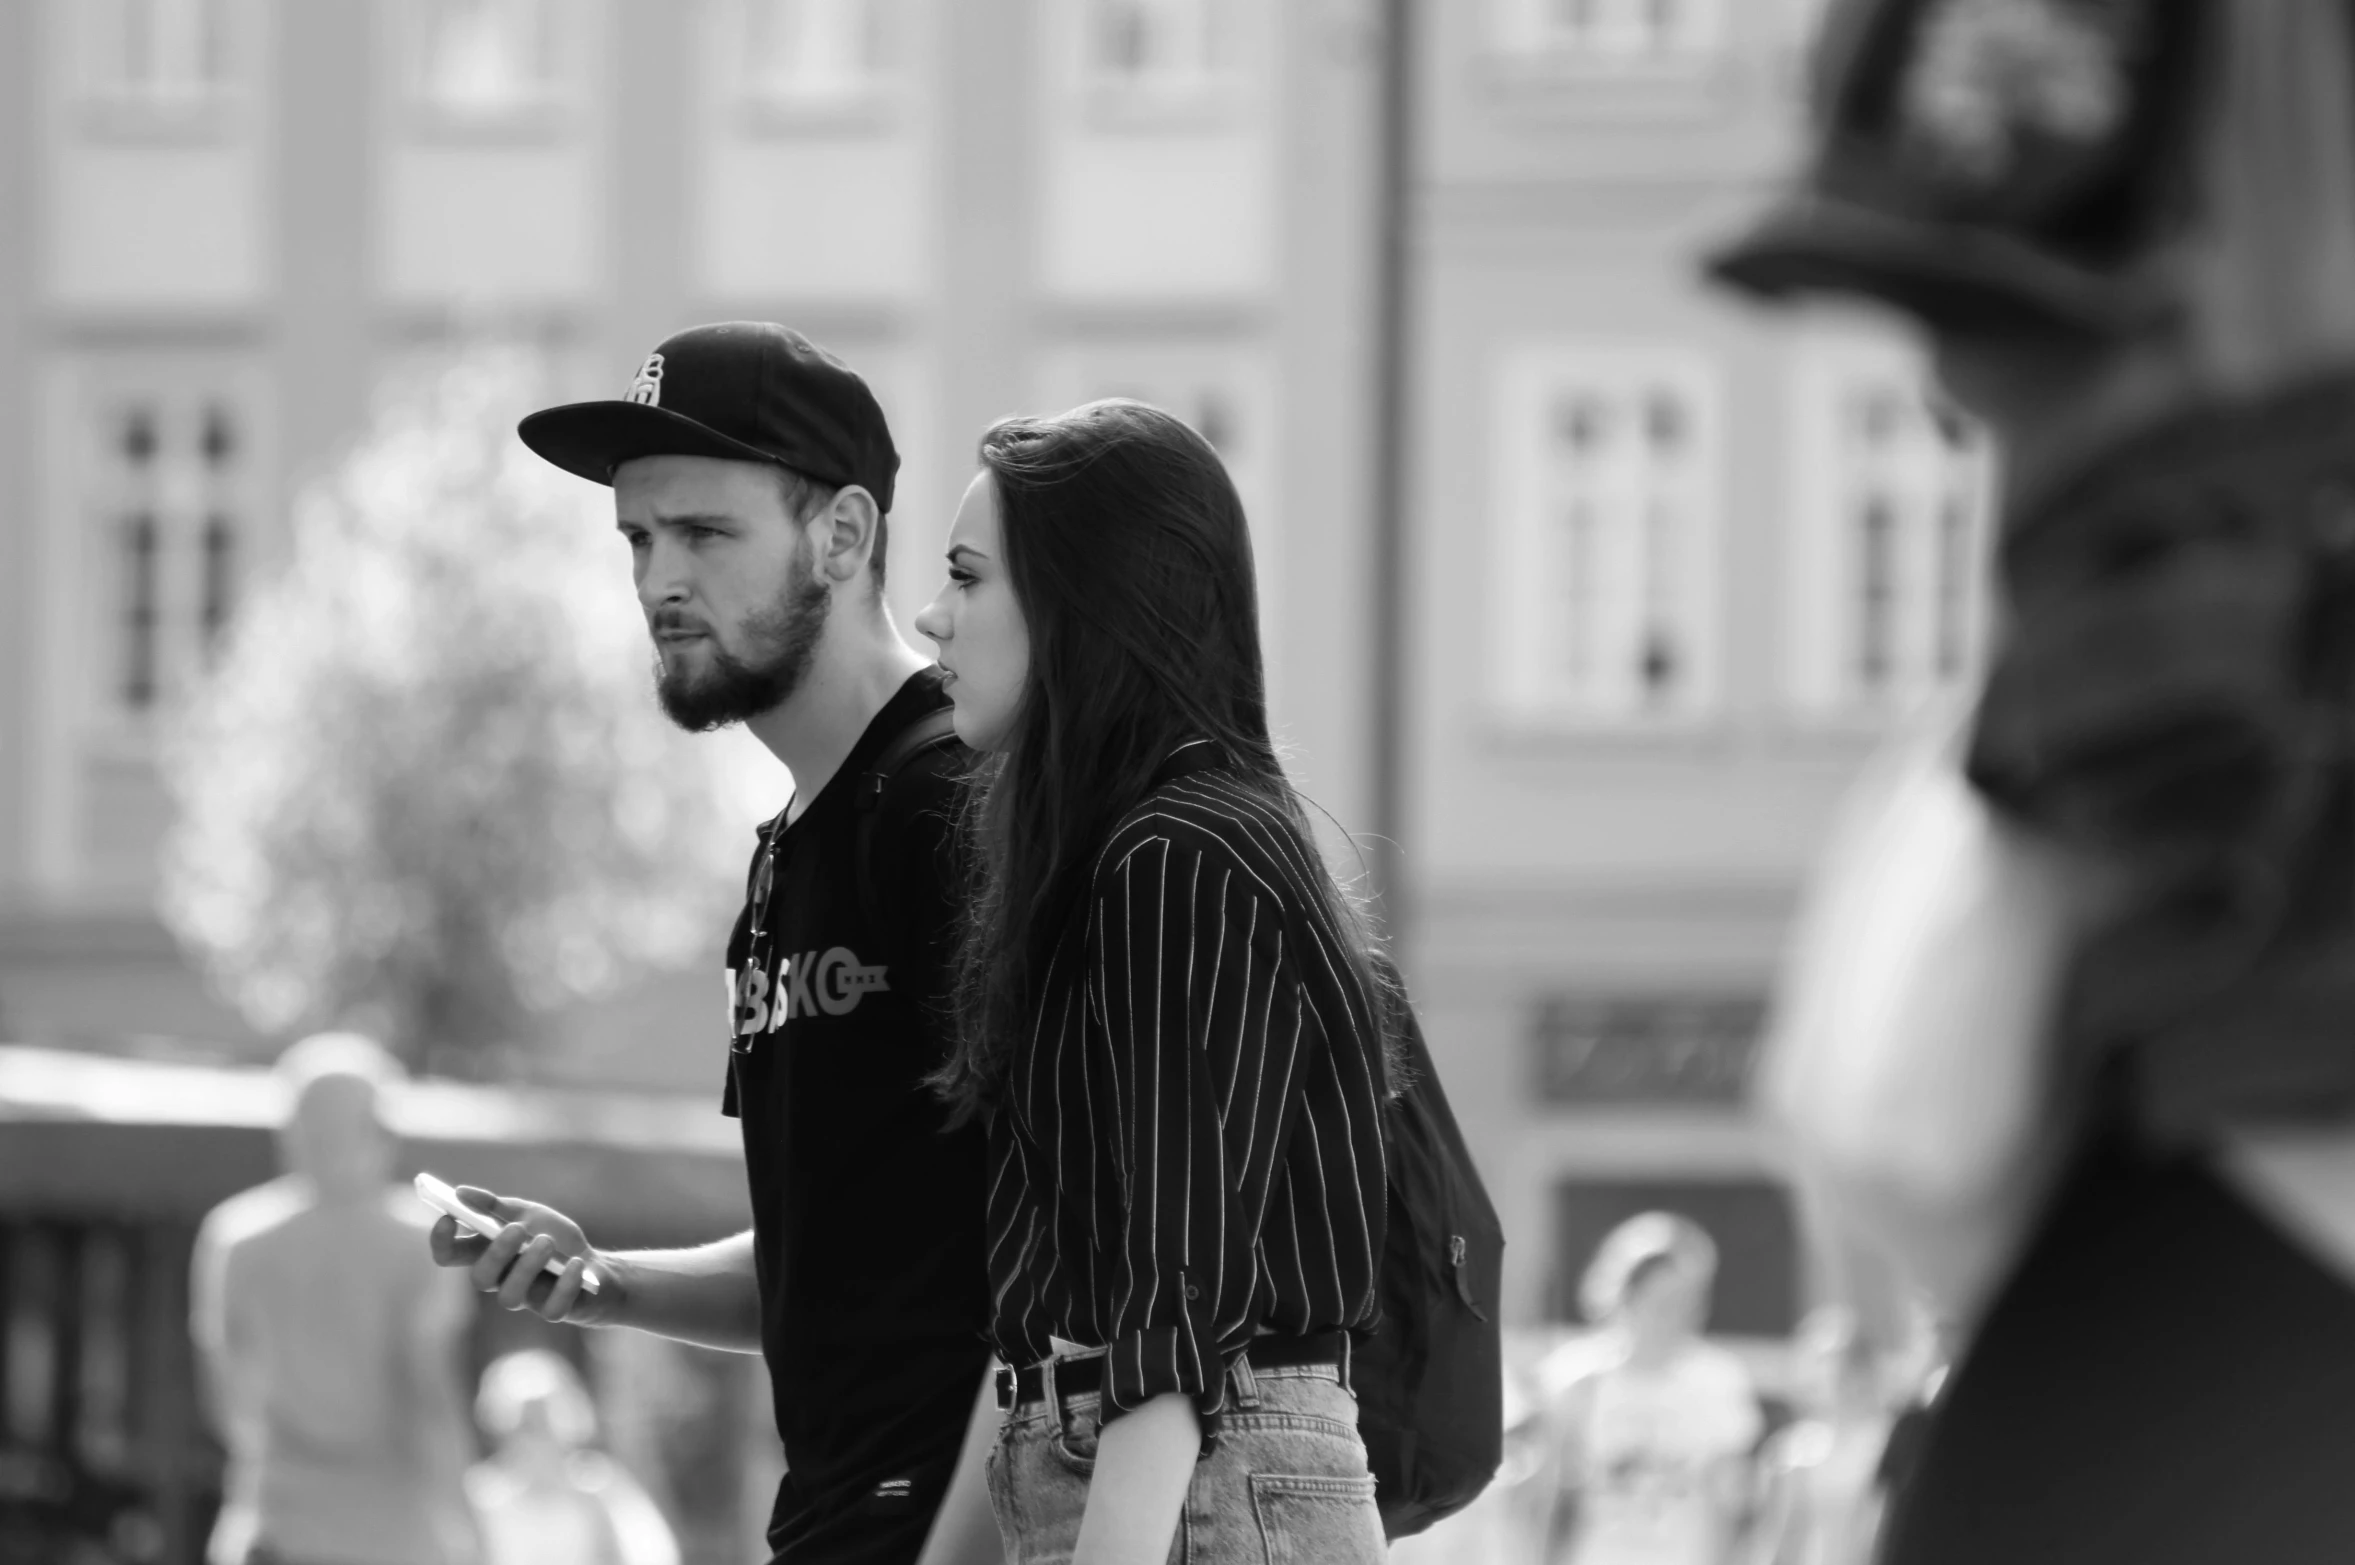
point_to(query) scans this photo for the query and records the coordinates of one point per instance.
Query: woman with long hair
(1169, 1012)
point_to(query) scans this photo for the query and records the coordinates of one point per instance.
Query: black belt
(1075, 1375)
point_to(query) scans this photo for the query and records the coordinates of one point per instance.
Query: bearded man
(752, 476)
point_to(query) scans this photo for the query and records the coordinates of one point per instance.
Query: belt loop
(1046, 1375)
(1345, 1347)
(1246, 1383)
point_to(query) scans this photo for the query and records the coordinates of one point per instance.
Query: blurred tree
(427, 788)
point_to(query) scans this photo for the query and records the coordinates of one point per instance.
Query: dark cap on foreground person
(745, 391)
(1994, 164)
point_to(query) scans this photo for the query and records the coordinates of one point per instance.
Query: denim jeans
(1286, 1484)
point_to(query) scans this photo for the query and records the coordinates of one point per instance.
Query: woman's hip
(1285, 1484)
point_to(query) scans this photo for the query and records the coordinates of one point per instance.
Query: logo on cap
(646, 387)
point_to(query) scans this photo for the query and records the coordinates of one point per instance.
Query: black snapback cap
(745, 391)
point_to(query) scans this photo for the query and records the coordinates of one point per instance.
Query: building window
(153, 67)
(488, 64)
(1895, 488)
(1610, 36)
(1150, 59)
(813, 53)
(174, 515)
(1609, 533)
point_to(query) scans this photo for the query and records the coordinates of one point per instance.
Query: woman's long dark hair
(1127, 550)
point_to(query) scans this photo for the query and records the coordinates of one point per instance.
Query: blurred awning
(88, 1135)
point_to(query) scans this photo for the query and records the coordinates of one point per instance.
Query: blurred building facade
(1671, 567)
(1677, 566)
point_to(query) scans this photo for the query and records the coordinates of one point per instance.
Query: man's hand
(513, 1264)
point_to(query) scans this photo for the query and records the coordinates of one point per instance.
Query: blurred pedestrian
(752, 474)
(1653, 1425)
(2068, 1030)
(546, 1495)
(328, 1346)
(1170, 1013)
(1820, 1476)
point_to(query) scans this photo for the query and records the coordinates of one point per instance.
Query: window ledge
(156, 119)
(1775, 732)
(869, 110)
(1148, 107)
(537, 119)
(1521, 729)
(1567, 84)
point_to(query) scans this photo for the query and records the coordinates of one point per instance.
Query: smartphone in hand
(442, 1198)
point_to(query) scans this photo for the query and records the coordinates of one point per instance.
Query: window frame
(1826, 377)
(1529, 382)
(546, 108)
(1208, 97)
(80, 741)
(871, 103)
(1523, 42)
(184, 500)
(111, 105)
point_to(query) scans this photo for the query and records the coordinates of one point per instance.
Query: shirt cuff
(1146, 1364)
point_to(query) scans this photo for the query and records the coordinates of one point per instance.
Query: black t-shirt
(867, 1217)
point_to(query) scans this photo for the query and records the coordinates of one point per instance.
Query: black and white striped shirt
(1189, 1149)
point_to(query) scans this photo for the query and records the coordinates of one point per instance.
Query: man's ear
(844, 531)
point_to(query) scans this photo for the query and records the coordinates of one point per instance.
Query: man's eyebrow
(680, 519)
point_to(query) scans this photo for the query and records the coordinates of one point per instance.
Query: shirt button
(1192, 1292)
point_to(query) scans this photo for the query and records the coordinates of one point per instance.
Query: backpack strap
(928, 732)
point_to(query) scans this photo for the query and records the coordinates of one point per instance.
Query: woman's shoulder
(1213, 817)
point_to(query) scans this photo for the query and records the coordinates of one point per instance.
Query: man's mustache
(671, 622)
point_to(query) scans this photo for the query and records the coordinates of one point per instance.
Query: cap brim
(1957, 276)
(593, 438)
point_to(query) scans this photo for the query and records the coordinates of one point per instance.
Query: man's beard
(781, 640)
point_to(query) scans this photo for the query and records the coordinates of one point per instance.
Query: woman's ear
(845, 533)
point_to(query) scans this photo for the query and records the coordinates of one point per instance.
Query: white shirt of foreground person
(327, 1342)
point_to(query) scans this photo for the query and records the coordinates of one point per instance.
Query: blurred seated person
(1820, 1475)
(546, 1496)
(1652, 1426)
(327, 1341)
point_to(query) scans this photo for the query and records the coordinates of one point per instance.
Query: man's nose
(662, 579)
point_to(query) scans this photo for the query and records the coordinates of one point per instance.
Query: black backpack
(1430, 1375)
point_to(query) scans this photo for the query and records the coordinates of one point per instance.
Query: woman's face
(984, 642)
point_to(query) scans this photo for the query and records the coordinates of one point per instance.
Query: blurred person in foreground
(1820, 1477)
(1652, 1425)
(328, 1345)
(752, 475)
(545, 1495)
(2070, 1026)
